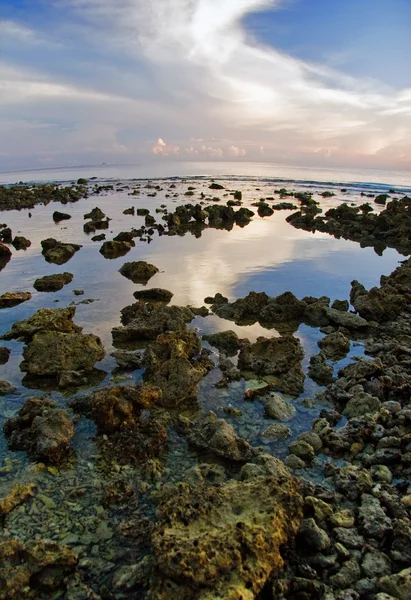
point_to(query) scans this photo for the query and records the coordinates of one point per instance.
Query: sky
(301, 82)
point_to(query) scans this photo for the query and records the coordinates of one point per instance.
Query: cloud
(122, 70)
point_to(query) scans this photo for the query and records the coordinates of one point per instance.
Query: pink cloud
(163, 149)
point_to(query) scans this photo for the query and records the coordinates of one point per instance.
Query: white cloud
(188, 69)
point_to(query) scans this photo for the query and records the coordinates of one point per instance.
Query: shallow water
(267, 255)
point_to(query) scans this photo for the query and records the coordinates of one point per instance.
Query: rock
(60, 216)
(6, 235)
(376, 564)
(52, 283)
(52, 353)
(6, 388)
(98, 238)
(277, 432)
(5, 255)
(128, 577)
(4, 355)
(21, 243)
(45, 319)
(217, 299)
(129, 211)
(348, 575)
(346, 319)
(275, 407)
(349, 537)
(311, 537)
(223, 541)
(322, 510)
(398, 585)
(381, 473)
(278, 357)
(118, 407)
(319, 371)
(335, 345)
(31, 570)
(341, 305)
(311, 438)
(361, 404)
(372, 518)
(18, 494)
(294, 462)
(154, 294)
(217, 436)
(343, 518)
(95, 215)
(78, 292)
(138, 271)
(303, 450)
(224, 340)
(58, 252)
(145, 322)
(10, 299)
(112, 249)
(128, 360)
(41, 429)
(216, 186)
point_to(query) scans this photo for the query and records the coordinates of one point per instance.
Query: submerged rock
(29, 571)
(280, 358)
(10, 299)
(276, 407)
(45, 319)
(138, 271)
(218, 437)
(6, 388)
(52, 283)
(41, 429)
(223, 541)
(58, 252)
(18, 494)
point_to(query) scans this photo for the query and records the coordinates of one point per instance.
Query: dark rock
(60, 216)
(10, 299)
(128, 360)
(4, 355)
(21, 243)
(58, 252)
(95, 215)
(45, 319)
(224, 340)
(52, 283)
(217, 299)
(216, 186)
(138, 271)
(319, 370)
(6, 235)
(113, 249)
(129, 211)
(335, 345)
(154, 294)
(98, 238)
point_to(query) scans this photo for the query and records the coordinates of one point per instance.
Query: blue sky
(310, 82)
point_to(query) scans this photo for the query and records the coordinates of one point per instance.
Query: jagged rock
(303, 450)
(154, 294)
(98, 238)
(52, 353)
(21, 243)
(129, 211)
(115, 408)
(4, 355)
(279, 358)
(335, 345)
(60, 216)
(224, 340)
(223, 541)
(346, 319)
(217, 436)
(312, 537)
(28, 571)
(6, 235)
(277, 432)
(58, 252)
(138, 271)
(52, 283)
(45, 319)
(95, 215)
(145, 322)
(372, 518)
(10, 299)
(18, 494)
(361, 404)
(41, 429)
(319, 370)
(128, 360)
(217, 299)
(113, 249)
(172, 365)
(398, 585)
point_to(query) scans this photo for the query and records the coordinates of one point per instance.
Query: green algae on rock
(10, 299)
(52, 283)
(138, 271)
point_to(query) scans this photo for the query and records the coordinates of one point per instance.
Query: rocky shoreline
(234, 521)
